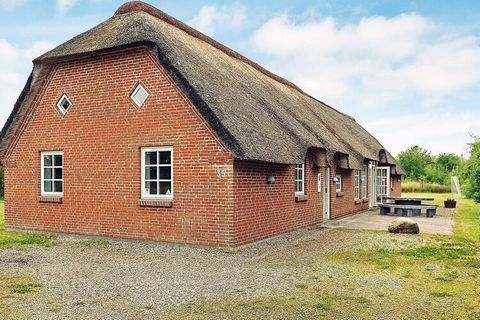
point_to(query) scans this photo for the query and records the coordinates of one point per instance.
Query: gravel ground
(97, 279)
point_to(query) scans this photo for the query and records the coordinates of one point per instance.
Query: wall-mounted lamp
(270, 179)
(335, 179)
(363, 179)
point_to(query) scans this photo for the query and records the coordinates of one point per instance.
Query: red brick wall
(101, 137)
(263, 210)
(396, 190)
(344, 203)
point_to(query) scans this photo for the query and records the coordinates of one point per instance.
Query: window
(364, 182)
(338, 182)
(157, 173)
(383, 181)
(139, 95)
(356, 184)
(52, 173)
(319, 182)
(64, 104)
(299, 179)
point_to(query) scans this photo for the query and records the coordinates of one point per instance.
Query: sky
(408, 71)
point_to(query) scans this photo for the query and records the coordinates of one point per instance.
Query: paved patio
(442, 223)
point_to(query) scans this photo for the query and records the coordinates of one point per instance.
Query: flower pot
(450, 203)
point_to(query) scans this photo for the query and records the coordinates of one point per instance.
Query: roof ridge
(133, 6)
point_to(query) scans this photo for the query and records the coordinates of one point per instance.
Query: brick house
(145, 128)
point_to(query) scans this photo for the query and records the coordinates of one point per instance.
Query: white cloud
(405, 77)
(442, 132)
(377, 60)
(65, 5)
(11, 5)
(15, 65)
(211, 17)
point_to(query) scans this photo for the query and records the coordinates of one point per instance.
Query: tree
(471, 172)
(448, 162)
(415, 161)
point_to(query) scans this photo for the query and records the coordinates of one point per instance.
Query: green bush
(417, 186)
(471, 172)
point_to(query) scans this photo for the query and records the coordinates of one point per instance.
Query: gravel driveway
(98, 279)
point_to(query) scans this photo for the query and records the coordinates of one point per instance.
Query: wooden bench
(407, 210)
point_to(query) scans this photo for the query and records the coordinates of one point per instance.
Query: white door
(326, 195)
(372, 189)
(382, 181)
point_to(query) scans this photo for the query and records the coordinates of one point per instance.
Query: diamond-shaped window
(139, 95)
(64, 104)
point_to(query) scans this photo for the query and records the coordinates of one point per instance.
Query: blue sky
(409, 72)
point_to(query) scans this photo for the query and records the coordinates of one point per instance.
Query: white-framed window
(383, 181)
(64, 104)
(139, 95)
(338, 182)
(299, 179)
(356, 184)
(319, 182)
(157, 173)
(51, 173)
(364, 182)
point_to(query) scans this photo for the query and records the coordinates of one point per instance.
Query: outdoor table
(408, 201)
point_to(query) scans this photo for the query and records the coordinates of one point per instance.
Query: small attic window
(139, 95)
(64, 104)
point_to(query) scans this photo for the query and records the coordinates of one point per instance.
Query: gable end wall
(101, 137)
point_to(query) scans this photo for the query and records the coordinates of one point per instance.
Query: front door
(326, 195)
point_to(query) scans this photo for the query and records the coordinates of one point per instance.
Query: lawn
(435, 277)
(334, 274)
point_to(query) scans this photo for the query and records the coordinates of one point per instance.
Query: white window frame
(42, 174)
(59, 106)
(132, 96)
(143, 191)
(338, 183)
(383, 181)
(319, 182)
(300, 167)
(356, 184)
(364, 182)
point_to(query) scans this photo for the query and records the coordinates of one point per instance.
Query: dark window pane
(165, 188)
(47, 186)
(165, 157)
(58, 185)
(47, 173)
(151, 187)
(58, 173)
(151, 157)
(58, 160)
(150, 173)
(165, 173)
(65, 104)
(47, 161)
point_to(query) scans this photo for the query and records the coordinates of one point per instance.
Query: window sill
(156, 203)
(339, 194)
(51, 199)
(365, 200)
(358, 201)
(301, 198)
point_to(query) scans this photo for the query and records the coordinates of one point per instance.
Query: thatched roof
(259, 116)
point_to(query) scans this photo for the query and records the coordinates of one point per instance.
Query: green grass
(437, 277)
(18, 239)
(467, 219)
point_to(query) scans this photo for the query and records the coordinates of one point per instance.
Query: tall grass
(416, 186)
